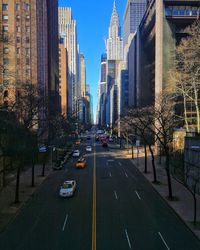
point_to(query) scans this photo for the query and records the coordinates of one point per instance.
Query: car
(77, 142)
(67, 189)
(88, 148)
(110, 139)
(76, 153)
(58, 165)
(104, 144)
(81, 163)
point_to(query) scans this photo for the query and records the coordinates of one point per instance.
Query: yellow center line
(94, 204)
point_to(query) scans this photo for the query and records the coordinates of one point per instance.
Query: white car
(76, 153)
(67, 189)
(89, 149)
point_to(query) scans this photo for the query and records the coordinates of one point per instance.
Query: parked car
(104, 144)
(81, 163)
(88, 148)
(57, 165)
(67, 189)
(76, 153)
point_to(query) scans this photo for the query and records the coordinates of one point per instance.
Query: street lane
(50, 222)
(138, 215)
(129, 214)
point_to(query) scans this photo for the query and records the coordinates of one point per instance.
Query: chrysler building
(114, 44)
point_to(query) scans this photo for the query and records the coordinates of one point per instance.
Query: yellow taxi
(81, 163)
(77, 142)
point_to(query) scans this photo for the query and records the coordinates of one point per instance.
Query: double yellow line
(94, 227)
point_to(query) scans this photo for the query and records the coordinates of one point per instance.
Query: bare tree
(185, 75)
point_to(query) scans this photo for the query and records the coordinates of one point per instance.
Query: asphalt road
(129, 214)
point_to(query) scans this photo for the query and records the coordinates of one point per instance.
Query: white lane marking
(163, 240)
(110, 175)
(138, 195)
(127, 237)
(66, 218)
(126, 175)
(119, 163)
(116, 197)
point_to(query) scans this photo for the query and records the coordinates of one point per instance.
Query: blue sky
(93, 18)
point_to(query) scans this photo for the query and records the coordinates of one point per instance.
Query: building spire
(115, 16)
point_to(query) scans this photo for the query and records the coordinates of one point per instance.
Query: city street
(124, 213)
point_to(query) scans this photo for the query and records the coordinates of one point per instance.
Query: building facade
(114, 44)
(63, 84)
(19, 55)
(68, 31)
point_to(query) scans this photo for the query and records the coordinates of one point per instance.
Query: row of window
(17, 6)
(6, 61)
(18, 17)
(18, 51)
(181, 11)
(18, 28)
(6, 72)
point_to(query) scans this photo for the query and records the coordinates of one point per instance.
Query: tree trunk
(153, 165)
(195, 206)
(17, 185)
(33, 174)
(43, 169)
(145, 159)
(4, 172)
(185, 113)
(167, 167)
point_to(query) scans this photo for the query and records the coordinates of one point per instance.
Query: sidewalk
(9, 210)
(183, 206)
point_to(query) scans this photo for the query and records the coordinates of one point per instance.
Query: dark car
(105, 144)
(58, 165)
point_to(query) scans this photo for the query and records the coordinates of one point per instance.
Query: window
(5, 50)
(27, 18)
(5, 83)
(5, 94)
(27, 40)
(5, 18)
(5, 72)
(18, 51)
(27, 61)
(4, 6)
(17, 6)
(27, 51)
(5, 28)
(18, 39)
(27, 29)
(18, 29)
(17, 17)
(28, 71)
(5, 61)
(27, 6)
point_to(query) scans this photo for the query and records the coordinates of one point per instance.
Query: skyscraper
(68, 31)
(18, 60)
(114, 42)
(53, 57)
(132, 17)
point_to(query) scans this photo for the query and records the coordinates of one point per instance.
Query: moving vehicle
(67, 189)
(76, 153)
(81, 163)
(77, 142)
(88, 148)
